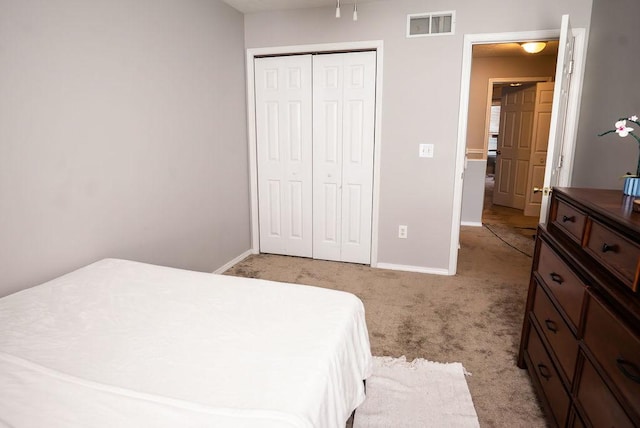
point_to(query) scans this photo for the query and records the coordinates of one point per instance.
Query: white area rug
(420, 393)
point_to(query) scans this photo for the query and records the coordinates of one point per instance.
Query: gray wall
(420, 100)
(611, 90)
(122, 134)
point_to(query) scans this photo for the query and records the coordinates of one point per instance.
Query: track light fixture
(355, 9)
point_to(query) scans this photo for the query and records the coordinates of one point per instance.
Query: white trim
(225, 267)
(407, 268)
(253, 153)
(461, 148)
(477, 151)
(377, 155)
(575, 95)
(574, 101)
(314, 48)
(376, 45)
(471, 223)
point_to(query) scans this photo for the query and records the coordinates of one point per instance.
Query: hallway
(509, 217)
(509, 225)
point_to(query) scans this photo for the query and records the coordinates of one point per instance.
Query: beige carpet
(474, 318)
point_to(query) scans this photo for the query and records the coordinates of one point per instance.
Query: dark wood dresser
(581, 331)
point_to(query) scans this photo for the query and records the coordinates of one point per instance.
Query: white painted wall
(122, 134)
(420, 101)
(611, 90)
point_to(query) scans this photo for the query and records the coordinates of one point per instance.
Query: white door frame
(376, 45)
(571, 127)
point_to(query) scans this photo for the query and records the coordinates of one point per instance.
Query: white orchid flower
(634, 118)
(622, 129)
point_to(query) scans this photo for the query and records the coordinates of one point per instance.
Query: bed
(122, 343)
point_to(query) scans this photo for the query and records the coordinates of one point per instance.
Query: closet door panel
(354, 91)
(284, 149)
(327, 157)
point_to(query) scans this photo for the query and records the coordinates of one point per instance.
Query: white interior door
(514, 146)
(284, 154)
(343, 146)
(564, 69)
(539, 142)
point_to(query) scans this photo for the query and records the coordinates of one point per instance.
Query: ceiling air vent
(431, 24)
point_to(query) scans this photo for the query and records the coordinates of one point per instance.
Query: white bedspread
(120, 343)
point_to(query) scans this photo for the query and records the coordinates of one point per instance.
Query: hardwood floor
(511, 217)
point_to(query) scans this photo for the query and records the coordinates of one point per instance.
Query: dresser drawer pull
(606, 248)
(544, 371)
(556, 278)
(551, 326)
(565, 219)
(622, 366)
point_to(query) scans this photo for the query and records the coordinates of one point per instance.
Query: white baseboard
(471, 223)
(233, 262)
(390, 266)
(407, 268)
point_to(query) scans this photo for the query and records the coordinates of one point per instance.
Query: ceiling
(250, 6)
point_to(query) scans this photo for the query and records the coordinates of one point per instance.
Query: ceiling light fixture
(533, 47)
(355, 11)
(338, 9)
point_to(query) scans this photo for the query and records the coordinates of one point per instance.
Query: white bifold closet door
(315, 138)
(284, 151)
(343, 135)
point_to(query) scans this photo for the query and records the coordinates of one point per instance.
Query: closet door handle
(624, 366)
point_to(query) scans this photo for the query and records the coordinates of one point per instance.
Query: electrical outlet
(402, 231)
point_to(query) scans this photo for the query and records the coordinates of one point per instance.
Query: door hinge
(570, 67)
(560, 161)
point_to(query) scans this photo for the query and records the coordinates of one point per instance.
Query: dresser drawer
(570, 220)
(563, 343)
(543, 369)
(597, 401)
(615, 252)
(616, 349)
(577, 422)
(562, 282)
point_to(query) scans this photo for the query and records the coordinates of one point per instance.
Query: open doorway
(502, 145)
(568, 76)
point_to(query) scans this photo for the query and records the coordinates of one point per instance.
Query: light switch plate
(426, 151)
